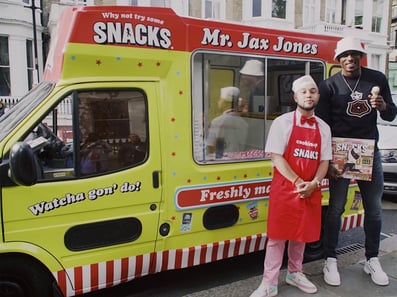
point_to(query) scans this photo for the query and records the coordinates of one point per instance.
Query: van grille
(390, 176)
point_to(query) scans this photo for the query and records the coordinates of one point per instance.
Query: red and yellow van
(106, 168)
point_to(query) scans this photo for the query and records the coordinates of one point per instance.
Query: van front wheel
(21, 276)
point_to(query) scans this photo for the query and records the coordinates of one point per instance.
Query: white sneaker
(265, 290)
(331, 274)
(299, 280)
(378, 276)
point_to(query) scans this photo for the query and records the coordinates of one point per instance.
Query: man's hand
(305, 188)
(377, 102)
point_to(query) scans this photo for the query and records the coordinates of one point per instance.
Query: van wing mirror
(23, 165)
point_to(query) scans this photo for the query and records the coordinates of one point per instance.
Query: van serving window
(235, 98)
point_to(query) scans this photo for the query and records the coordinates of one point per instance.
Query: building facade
(24, 40)
(19, 64)
(25, 25)
(393, 45)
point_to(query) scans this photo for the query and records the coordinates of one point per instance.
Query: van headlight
(389, 156)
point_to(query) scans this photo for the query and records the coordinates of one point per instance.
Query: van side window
(92, 132)
(235, 100)
(52, 142)
(113, 130)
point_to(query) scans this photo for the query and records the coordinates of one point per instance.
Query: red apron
(291, 217)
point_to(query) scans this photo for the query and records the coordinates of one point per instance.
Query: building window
(394, 11)
(375, 61)
(134, 2)
(256, 8)
(29, 60)
(5, 84)
(279, 9)
(377, 16)
(344, 8)
(393, 37)
(309, 12)
(358, 14)
(330, 11)
(212, 9)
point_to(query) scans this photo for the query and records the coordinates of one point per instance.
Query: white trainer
(378, 276)
(299, 280)
(331, 274)
(265, 290)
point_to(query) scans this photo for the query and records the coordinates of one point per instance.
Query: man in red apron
(300, 147)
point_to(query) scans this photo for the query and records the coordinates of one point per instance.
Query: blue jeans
(371, 194)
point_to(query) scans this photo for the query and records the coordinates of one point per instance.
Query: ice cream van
(112, 167)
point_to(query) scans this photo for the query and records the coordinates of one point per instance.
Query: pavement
(355, 282)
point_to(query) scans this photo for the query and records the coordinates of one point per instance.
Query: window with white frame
(5, 84)
(256, 8)
(212, 9)
(279, 9)
(375, 61)
(30, 62)
(358, 14)
(393, 36)
(344, 12)
(394, 10)
(330, 11)
(377, 15)
(309, 12)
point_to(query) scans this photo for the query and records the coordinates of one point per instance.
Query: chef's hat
(252, 67)
(303, 82)
(229, 93)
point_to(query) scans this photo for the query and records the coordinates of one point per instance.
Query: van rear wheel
(21, 276)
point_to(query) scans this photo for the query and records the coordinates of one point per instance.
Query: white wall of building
(18, 30)
(266, 18)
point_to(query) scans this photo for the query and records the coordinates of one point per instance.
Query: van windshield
(24, 106)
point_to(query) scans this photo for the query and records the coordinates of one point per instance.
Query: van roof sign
(105, 34)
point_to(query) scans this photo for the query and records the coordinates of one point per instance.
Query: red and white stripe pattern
(352, 221)
(88, 278)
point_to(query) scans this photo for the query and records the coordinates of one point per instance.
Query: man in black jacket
(350, 102)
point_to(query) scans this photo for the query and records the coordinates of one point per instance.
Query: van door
(97, 200)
